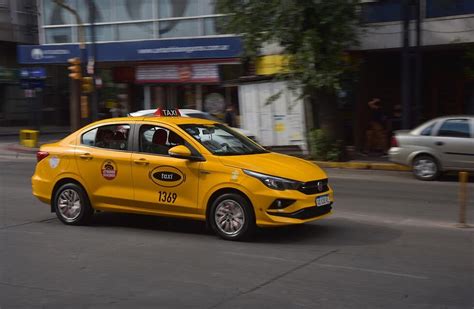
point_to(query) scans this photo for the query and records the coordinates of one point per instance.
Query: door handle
(141, 161)
(85, 156)
(439, 143)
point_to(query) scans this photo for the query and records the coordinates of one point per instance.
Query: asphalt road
(391, 243)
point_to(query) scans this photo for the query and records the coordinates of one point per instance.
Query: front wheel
(232, 217)
(425, 168)
(72, 205)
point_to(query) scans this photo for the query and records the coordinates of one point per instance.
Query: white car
(193, 113)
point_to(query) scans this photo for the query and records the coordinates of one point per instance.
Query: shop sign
(178, 73)
(272, 64)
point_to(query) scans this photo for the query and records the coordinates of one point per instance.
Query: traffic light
(75, 68)
(87, 84)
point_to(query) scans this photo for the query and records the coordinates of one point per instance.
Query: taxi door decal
(109, 170)
(167, 176)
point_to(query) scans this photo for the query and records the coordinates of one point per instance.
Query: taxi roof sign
(160, 112)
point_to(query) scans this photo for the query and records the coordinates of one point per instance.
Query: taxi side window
(108, 137)
(158, 140)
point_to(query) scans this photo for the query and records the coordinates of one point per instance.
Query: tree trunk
(326, 113)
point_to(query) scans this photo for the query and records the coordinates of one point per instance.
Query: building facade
(18, 25)
(440, 79)
(145, 53)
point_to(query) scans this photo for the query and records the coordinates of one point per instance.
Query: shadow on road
(331, 231)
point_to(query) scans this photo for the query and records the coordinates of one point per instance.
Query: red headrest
(159, 137)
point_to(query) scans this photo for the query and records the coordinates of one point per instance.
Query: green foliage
(315, 32)
(323, 148)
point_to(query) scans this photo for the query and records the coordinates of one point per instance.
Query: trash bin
(29, 138)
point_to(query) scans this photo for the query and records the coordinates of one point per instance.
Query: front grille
(311, 187)
(306, 213)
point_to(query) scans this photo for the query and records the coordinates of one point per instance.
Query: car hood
(276, 164)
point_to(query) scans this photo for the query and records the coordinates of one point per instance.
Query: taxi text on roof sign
(167, 113)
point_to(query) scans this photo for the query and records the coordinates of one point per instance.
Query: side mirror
(180, 151)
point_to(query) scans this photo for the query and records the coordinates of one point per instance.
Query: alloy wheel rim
(69, 205)
(425, 168)
(229, 217)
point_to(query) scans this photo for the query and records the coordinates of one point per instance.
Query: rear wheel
(232, 217)
(72, 205)
(425, 168)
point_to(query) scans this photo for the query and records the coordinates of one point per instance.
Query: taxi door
(103, 160)
(163, 184)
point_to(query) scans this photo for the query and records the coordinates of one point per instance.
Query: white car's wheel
(425, 168)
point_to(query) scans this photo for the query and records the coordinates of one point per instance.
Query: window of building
(381, 11)
(185, 8)
(133, 10)
(102, 33)
(455, 128)
(439, 8)
(56, 15)
(58, 35)
(138, 31)
(214, 25)
(180, 28)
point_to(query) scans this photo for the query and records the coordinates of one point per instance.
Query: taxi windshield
(222, 141)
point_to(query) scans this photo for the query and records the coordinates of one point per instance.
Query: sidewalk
(15, 149)
(47, 130)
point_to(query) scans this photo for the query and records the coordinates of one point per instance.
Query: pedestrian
(229, 116)
(376, 136)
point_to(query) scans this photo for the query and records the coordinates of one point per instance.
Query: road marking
(256, 256)
(375, 271)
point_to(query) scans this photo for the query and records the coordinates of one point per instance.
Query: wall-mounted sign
(172, 49)
(178, 73)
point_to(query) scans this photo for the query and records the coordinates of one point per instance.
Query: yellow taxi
(179, 167)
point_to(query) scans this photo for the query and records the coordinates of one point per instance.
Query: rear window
(109, 137)
(455, 128)
(428, 130)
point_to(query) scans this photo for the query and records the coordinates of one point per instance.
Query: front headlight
(275, 183)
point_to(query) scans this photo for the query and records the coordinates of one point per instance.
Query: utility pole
(405, 67)
(92, 60)
(418, 65)
(76, 104)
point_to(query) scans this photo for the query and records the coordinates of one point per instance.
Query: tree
(316, 33)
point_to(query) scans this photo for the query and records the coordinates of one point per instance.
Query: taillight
(40, 155)
(394, 142)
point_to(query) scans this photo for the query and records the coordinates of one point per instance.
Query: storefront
(181, 73)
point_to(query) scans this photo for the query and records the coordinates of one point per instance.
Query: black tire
(239, 205)
(426, 167)
(79, 213)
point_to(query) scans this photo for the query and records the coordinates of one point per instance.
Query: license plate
(322, 200)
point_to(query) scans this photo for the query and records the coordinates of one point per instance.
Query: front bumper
(306, 213)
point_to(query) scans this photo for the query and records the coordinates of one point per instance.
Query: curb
(364, 166)
(20, 149)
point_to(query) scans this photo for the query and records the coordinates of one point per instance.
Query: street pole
(405, 67)
(75, 85)
(92, 60)
(418, 65)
